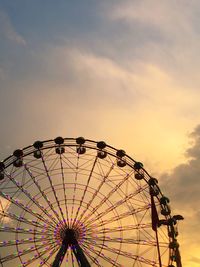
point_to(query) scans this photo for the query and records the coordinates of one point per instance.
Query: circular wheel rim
(105, 197)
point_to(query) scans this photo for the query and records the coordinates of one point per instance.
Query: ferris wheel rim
(88, 144)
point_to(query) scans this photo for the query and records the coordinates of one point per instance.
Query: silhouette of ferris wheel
(77, 202)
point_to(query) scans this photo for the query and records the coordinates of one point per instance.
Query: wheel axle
(70, 240)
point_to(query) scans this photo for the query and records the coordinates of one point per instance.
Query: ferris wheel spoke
(21, 219)
(126, 254)
(118, 217)
(153, 250)
(118, 204)
(101, 255)
(14, 242)
(75, 186)
(24, 208)
(43, 261)
(108, 196)
(123, 240)
(141, 219)
(39, 255)
(97, 191)
(53, 189)
(67, 161)
(148, 235)
(42, 194)
(125, 228)
(51, 249)
(145, 242)
(28, 195)
(64, 189)
(24, 252)
(30, 231)
(86, 187)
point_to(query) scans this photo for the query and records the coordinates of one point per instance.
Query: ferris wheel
(76, 202)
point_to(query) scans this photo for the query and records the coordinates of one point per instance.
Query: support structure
(70, 240)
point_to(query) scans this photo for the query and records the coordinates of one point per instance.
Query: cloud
(73, 91)
(187, 176)
(165, 16)
(8, 31)
(98, 76)
(183, 187)
(164, 33)
(194, 151)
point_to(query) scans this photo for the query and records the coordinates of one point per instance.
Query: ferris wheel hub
(70, 237)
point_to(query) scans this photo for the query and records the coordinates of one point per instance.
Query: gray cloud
(194, 150)
(183, 183)
(183, 188)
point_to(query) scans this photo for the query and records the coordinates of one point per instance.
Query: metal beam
(80, 256)
(70, 240)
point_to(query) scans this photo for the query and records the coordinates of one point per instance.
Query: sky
(122, 71)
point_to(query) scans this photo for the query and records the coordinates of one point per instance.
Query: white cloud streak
(8, 31)
(169, 17)
(177, 41)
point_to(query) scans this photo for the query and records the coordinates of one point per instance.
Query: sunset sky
(122, 71)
